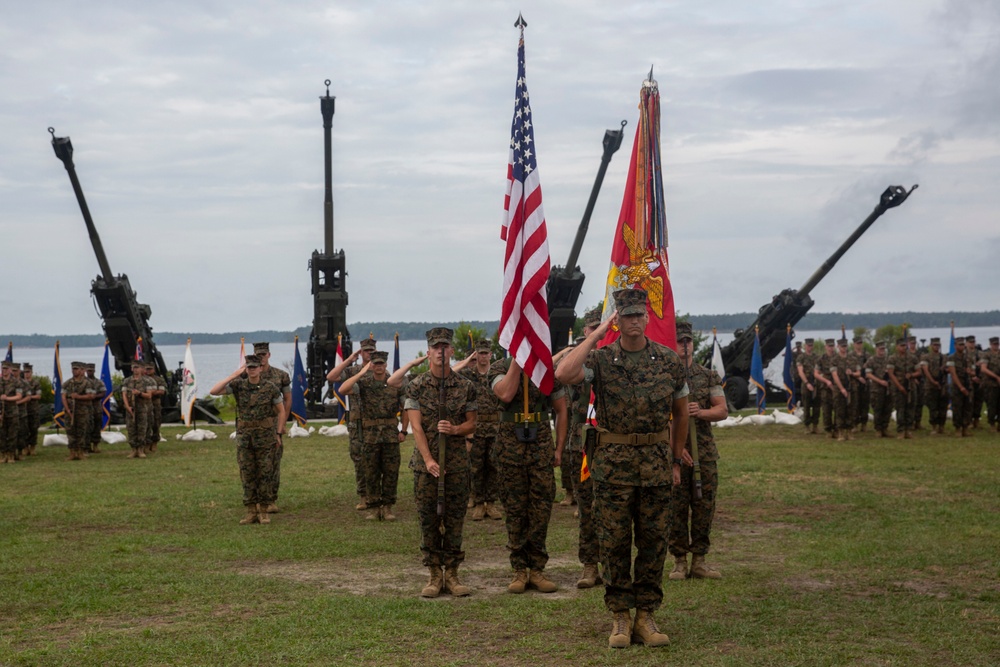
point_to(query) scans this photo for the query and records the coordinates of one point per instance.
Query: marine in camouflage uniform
(959, 365)
(915, 396)
(155, 405)
(11, 393)
(78, 399)
(33, 394)
(440, 536)
(137, 397)
(380, 406)
(860, 399)
(691, 517)
(344, 371)
(932, 365)
(901, 367)
(839, 372)
(97, 411)
(482, 468)
(823, 375)
(805, 365)
(284, 382)
(972, 354)
(260, 423)
(989, 369)
(526, 457)
(879, 383)
(638, 385)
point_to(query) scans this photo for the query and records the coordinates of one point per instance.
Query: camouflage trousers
(356, 445)
(936, 399)
(482, 470)
(444, 550)
(79, 428)
(255, 452)
(381, 473)
(977, 401)
(826, 401)
(841, 410)
(961, 408)
(155, 420)
(273, 480)
(863, 403)
(527, 492)
(619, 509)
(916, 400)
(97, 425)
(137, 426)
(685, 511)
(991, 393)
(881, 407)
(29, 428)
(810, 406)
(904, 413)
(10, 426)
(589, 550)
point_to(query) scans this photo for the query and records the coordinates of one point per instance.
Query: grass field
(871, 552)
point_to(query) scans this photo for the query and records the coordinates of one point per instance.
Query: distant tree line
(385, 331)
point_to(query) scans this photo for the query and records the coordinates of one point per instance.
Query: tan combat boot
(251, 516)
(621, 630)
(152, 448)
(95, 450)
(434, 584)
(387, 513)
(132, 453)
(271, 508)
(141, 452)
(493, 512)
(699, 570)
(454, 586)
(469, 505)
(815, 429)
(680, 571)
(540, 582)
(362, 505)
(479, 512)
(644, 630)
(262, 515)
(519, 583)
(849, 434)
(568, 500)
(590, 577)
(907, 434)
(372, 514)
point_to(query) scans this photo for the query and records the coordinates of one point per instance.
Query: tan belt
(608, 438)
(487, 418)
(380, 422)
(255, 423)
(525, 417)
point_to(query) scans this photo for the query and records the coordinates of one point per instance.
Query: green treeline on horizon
(384, 331)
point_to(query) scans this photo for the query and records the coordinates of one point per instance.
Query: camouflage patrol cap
(911, 339)
(935, 341)
(592, 318)
(440, 335)
(900, 341)
(77, 364)
(798, 343)
(994, 339)
(252, 361)
(368, 344)
(262, 348)
(379, 357)
(809, 341)
(970, 339)
(26, 367)
(858, 339)
(91, 367)
(6, 365)
(880, 343)
(630, 301)
(842, 342)
(830, 341)
(483, 345)
(684, 331)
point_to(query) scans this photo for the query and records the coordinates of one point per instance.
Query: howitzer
(566, 282)
(125, 320)
(328, 270)
(787, 308)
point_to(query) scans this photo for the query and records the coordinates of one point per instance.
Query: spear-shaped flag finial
(520, 22)
(650, 72)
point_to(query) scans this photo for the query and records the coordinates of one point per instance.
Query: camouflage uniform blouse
(487, 401)
(808, 363)
(510, 451)
(876, 366)
(962, 365)
(703, 384)
(634, 393)
(840, 364)
(381, 403)
(424, 394)
(280, 378)
(934, 361)
(254, 404)
(823, 364)
(901, 366)
(579, 396)
(992, 361)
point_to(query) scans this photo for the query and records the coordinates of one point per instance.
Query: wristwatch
(678, 461)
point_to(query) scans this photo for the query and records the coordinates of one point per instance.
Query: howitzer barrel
(893, 196)
(64, 151)
(326, 105)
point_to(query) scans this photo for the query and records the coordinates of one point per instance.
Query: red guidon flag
(524, 318)
(639, 253)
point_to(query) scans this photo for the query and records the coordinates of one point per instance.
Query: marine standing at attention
(283, 380)
(434, 421)
(343, 371)
(691, 517)
(482, 467)
(638, 385)
(34, 395)
(260, 423)
(77, 395)
(808, 394)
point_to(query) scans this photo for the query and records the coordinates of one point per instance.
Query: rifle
(442, 447)
(693, 437)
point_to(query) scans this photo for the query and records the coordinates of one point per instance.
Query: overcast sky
(199, 145)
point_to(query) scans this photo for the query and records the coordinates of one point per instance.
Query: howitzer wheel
(737, 392)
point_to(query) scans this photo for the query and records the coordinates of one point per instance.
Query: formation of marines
(845, 386)
(20, 393)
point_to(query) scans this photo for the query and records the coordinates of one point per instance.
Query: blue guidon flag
(300, 387)
(58, 410)
(787, 374)
(106, 381)
(757, 375)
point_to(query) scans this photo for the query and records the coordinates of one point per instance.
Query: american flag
(138, 349)
(524, 318)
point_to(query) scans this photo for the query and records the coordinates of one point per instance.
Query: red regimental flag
(524, 316)
(639, 253)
